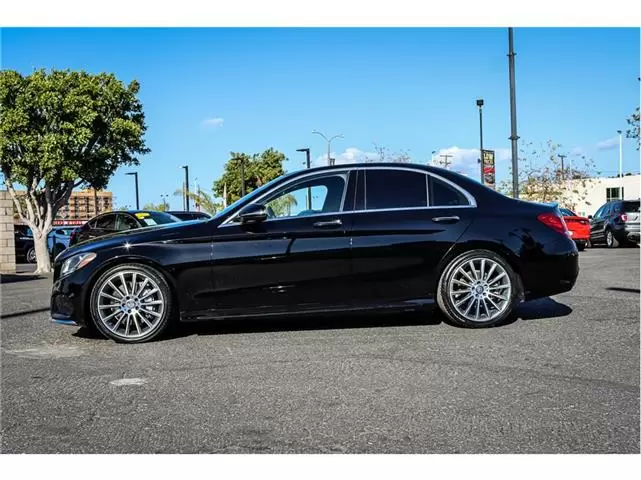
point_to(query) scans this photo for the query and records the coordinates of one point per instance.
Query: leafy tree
(633, 130)
(282, 206)
(258, 170)
(541, 178)
(384, 154)
(202, 200)
(60, 130)
(156, 207)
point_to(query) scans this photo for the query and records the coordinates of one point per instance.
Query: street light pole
(562, 157)
(242, 177)
(309, 190)
(513, 136)
(479, 103)
(620, 155)
(186, 167)
(135, 174)
(329, 144)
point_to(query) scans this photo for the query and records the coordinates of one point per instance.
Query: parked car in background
(382, 237)
(25, 249)
(185, 216)
(615, 223)
(113, 222)
(58, 239)
(578, 226)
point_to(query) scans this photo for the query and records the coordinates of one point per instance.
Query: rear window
(631, 207)
(394, 189)
(444, 195)
(155, 218)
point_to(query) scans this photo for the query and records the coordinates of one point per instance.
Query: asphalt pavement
(562, 378)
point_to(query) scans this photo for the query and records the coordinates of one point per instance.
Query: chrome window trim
(348, 170)
(342, 172)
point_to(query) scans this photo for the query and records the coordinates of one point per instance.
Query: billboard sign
(489, 172)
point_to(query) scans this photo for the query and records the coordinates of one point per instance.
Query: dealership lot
(563, 378)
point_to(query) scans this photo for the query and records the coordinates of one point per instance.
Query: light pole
(479, 103)
(433, 152)
(620, 157)
(135, 174)
(164, 201)
(309, 190)
(513, 136)
(562, 157)
(186, 167)
(329, 144)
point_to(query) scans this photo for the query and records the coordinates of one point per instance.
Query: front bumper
(67, 301)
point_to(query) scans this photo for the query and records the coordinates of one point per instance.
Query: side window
(606, 210)
(309, 197)
(394, 189)
(444, 195)
(599, 212)
(125, 222)
(106, 222)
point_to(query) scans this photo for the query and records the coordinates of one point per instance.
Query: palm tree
(202, 199)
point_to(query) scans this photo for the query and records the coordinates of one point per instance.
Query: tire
(503, 283)
(133, 313)
(580, 246)
(610, 239)
(31, 255)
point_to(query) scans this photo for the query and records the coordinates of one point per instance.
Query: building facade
(82, 205)
(601, 190)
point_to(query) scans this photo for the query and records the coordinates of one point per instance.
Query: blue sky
(207, 92)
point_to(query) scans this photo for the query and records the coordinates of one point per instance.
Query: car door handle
(452, 219)
(328, 224)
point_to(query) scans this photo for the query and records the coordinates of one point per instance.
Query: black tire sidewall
(28, 255)
(162, 284)
(443, 299)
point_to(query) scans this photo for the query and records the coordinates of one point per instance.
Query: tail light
(555, 222)
(624, 217)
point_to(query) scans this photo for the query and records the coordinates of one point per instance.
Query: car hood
(155, 233)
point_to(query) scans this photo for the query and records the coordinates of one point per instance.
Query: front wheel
(131, 303)
(477, 289)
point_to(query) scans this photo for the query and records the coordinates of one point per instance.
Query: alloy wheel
(480, 290)
(130, 304)
(608, 238)
(31, 256)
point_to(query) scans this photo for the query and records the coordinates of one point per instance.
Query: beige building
(82, 205)
(602, 190)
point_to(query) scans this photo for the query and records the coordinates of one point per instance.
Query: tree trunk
(42, 253)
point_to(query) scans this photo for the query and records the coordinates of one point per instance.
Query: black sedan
(120, 221)
(362, 237)
(187, 215)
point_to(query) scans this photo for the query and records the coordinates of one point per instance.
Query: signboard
(59, 223)
(489, 178)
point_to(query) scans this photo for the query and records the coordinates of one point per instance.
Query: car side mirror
(252, 213)
(590, 217)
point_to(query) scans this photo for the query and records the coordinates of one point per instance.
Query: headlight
(74, 263)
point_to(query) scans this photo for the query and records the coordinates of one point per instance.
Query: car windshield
(631, 207)
(567, 213)
(155, 218)
(251, 195)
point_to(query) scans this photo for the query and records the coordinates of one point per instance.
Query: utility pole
(562, 157)
(186, 167)
(309, 164)
(620, 157)
(135, 174)
(479, 103)
(513, 136)
(445, 163)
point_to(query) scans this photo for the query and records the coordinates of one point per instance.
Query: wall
(7, 239)
(597, 192)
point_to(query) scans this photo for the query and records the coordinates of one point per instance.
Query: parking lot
(563, 378)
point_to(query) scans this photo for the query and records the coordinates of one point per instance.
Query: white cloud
(350, 155)
(578, 151)
(465, 160)
(608, 144)
(215, 122)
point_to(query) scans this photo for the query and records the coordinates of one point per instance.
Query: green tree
(258, 170)
(156, 207)
(541, 178)
(202, 200)
(60, 130)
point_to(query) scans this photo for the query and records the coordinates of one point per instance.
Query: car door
(597, 224)
(406, 222)
(295, 260)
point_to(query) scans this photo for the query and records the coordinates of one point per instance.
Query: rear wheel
(610, 239)
(131, 303)
(477, 289)
(31, 255)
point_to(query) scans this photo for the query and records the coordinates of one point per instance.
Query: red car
(579, 227)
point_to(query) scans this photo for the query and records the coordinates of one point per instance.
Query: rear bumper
(554, 271)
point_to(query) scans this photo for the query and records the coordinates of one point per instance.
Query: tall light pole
(432, 162)
(329, 144)
(186, 167)
(479, 103)
(620, 156)
(562, 157)
(513, 136)
(309, 164)
(135, 174)
(164, 201)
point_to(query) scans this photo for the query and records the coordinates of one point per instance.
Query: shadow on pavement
(12, 278)
(623, 289)
(541, 308)
(25, 312)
